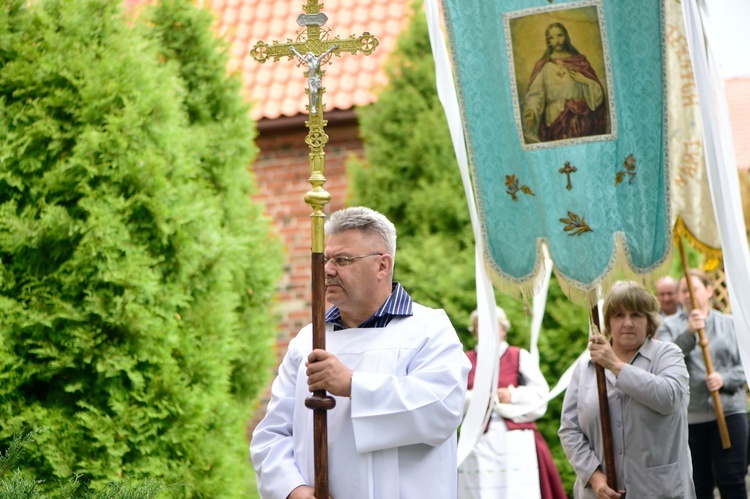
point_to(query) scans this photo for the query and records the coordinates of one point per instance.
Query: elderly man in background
(666, 294)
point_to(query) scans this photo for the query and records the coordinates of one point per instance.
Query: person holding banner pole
(511, 459)
(713, 465)
(647, 388)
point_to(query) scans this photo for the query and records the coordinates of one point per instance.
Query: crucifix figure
(314, 83)
(315, 49)
(567, 170)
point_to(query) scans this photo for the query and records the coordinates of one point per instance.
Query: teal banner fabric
(564, 111)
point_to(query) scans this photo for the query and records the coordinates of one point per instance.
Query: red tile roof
(278, 88)
(738, 97)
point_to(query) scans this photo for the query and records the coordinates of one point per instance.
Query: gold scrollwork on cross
(314, 48)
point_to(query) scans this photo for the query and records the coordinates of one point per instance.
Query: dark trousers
(714, 466)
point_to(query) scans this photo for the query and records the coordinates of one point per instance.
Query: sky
(729, 22)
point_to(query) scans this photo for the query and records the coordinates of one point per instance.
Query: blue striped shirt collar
(399, 303)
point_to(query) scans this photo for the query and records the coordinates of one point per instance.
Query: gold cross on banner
(567, 170)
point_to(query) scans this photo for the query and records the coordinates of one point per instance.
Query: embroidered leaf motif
(575, 225)
(513, 186)
(629, 165)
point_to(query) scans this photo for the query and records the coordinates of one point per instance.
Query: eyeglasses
(345, 261)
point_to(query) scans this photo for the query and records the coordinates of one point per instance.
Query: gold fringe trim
(681, 229)
(524, 288)
(619, 268)
(711, 264)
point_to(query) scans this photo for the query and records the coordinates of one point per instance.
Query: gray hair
(502, 319)
(365, 220)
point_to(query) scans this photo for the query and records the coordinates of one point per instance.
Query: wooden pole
(601, 385)
(319, 402)
(726, 443)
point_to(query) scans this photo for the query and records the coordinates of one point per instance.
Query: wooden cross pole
(314, 52)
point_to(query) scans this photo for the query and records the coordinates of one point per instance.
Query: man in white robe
(395, 368)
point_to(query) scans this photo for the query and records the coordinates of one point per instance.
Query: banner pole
(703, 342)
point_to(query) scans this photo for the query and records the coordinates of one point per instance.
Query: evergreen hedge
(136, 274)
(15, 484)
(410, 174)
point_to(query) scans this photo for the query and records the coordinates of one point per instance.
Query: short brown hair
(629, 295)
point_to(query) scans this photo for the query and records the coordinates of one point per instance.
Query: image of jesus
(565, 98)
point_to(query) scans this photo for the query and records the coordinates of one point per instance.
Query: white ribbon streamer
(722, 173)
(488, 334)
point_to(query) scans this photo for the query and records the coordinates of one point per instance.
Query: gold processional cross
(314, 52)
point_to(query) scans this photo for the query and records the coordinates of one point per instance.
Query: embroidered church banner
(564, 107)
(692, 210)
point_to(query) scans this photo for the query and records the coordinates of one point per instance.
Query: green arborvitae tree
(410, 174)
(223, 135)
(135, 273)
(15, 484)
